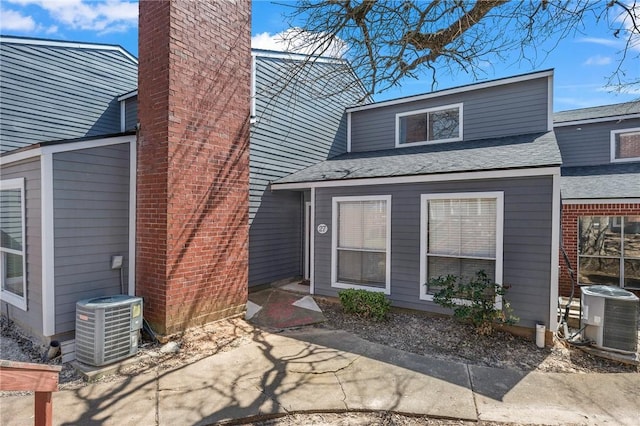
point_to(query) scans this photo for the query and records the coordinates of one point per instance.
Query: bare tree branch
(387, 41)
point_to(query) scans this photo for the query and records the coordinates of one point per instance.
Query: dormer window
(625, 145)
(432, 125)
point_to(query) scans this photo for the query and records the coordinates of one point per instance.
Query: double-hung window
(12, 244)
(432, 125)
(361, 241)
(625, 145)
(609, 250)
(460, 235)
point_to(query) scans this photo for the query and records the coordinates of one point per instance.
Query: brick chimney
(193, 161)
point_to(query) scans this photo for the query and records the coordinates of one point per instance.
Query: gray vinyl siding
(589, 144)
(275, 239)
(527, 240)
(91, 220)
(31, 320)
(298, 122)
(130, 114)
(55, 93)
(510, 109)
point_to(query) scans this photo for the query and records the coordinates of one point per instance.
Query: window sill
(429, 298)
(384, 290)
(434, 142)
(13, 300)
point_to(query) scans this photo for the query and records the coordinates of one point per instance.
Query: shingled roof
(520, 151)
(601, 182)
(599, 112)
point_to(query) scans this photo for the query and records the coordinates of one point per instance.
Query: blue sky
(582, 64)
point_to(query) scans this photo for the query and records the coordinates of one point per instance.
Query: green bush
(365, 304)
(474, 300)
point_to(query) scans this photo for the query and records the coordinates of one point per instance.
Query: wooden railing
(42, 379)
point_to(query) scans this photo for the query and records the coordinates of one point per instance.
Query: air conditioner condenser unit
(610, 318)
(107, 328)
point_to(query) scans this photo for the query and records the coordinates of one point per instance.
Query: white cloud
(623, 90)
(267, 41)
(598, 60)
(295, 40)
(628, 25)
(10, 20)
(598, 40)
(105, 16)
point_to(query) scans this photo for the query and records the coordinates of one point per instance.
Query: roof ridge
(596, 107)
(32, 41)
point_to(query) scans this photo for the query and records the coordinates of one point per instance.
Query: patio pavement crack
(157, 416)
(344, 394)
(337, 370)
(473, 394)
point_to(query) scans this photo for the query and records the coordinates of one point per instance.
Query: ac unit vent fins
(107, 329)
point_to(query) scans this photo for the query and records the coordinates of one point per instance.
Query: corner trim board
(312, 248)
(555, 253)
(348, 132)
(133, 178)
(48, 246)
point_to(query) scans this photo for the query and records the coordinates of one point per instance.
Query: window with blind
(12, 262)
(460, 235)
(361, 242)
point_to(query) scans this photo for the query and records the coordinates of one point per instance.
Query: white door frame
(307, 239)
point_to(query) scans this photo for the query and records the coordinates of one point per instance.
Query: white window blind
(361, 248)
(464, 228)
(461, 237)
(362, 225)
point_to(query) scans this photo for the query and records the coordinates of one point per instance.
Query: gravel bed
(444, 337)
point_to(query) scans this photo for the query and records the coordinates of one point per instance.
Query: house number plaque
(322, 228)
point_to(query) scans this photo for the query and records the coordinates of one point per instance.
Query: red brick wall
(570, 215)
(193, 161)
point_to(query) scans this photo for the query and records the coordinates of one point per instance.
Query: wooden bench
(42, 379)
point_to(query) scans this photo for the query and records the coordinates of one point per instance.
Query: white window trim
(13, 299)
(460, 137)
(334, 243)
(254, 66)
(499, 197)
(613, 145)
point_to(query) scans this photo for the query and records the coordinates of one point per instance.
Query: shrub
(474, 300)
(365, 304)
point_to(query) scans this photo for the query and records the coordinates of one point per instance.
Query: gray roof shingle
(597, 112)
(601, 182)
(520, 151)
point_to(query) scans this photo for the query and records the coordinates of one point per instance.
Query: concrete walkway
(326, 370)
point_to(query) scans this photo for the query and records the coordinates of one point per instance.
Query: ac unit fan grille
(117, 332)
(621, 326)
(104, 335)
(85, 335)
